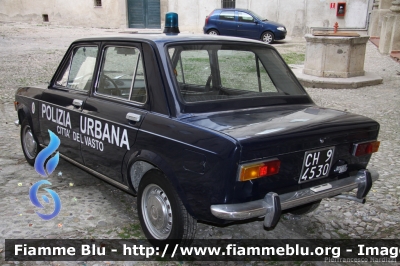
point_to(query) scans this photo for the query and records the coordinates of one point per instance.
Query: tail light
(364, 148)
(208, 17)
(16, 105)
(258, 169)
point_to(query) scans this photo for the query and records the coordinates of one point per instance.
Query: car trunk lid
(290, 133)
(266, 132)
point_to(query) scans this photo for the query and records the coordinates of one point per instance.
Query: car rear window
(227, 15)
(223, 72)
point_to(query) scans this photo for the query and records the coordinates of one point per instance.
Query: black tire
(166, 220)
(213, 32)
(268, 37)
(304, 209)
(29, 143)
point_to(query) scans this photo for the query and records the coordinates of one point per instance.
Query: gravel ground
(29, 55)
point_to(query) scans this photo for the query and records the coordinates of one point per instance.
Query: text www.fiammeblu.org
(332, 253)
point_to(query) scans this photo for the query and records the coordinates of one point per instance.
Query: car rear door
(61, 105)
(112, 115)
(227, 23)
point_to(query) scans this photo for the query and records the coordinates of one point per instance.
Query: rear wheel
(304, 209)
(29, 144)
(267, 37)
(161, 212)
(212, 32)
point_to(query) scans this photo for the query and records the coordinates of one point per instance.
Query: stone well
(335, 60)
(335, 57)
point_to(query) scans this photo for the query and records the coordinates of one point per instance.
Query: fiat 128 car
(208, 128)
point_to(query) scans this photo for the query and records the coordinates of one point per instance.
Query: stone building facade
(299, 16)
(385, 26)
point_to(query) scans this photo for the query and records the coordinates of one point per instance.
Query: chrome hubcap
(212, 33)
(267, 38)
(157, 212)
(30, 145)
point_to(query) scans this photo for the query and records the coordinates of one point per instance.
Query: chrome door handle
(133, 117)
(77, 103)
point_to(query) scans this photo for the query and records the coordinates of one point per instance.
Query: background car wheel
(161, 212)
(29, 144)
(267, 37)
(304, 209)
(212, 32)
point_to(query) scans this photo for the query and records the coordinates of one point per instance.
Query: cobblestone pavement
(29, 55)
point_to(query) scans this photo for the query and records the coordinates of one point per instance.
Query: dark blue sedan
(243, 23)
(207, 128)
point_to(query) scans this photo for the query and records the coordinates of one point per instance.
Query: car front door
(112, 115)
(61, 104)
(247, 26)
(227, 23)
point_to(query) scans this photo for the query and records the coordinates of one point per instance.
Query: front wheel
(161, 212)
(267, 37)
(28, 142)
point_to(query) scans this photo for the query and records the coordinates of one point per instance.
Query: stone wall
(385, 25)
(299, 16)
(380, 10)
(112, 13)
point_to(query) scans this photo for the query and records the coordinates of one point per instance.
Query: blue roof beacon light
(171, 23)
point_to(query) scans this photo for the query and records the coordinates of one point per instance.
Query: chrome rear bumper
(273, 203)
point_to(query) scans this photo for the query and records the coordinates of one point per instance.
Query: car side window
(227, 15)
(122, 74)
(244, 17)
(79, 71)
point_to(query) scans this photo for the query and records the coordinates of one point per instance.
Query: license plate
(316, 164)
